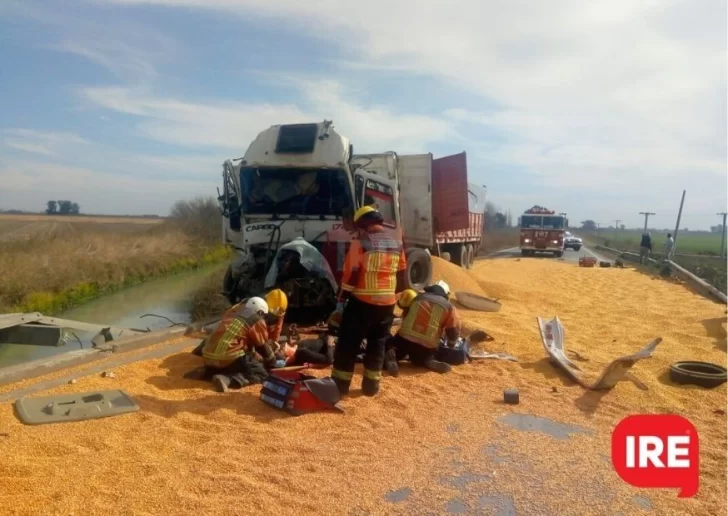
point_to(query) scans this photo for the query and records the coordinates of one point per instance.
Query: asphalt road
(569, 255)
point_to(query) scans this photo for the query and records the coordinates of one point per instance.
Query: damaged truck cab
(288, 205)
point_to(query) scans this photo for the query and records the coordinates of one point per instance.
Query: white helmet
(444, 286)
(255, 305)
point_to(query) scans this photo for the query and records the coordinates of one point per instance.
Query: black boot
(437, 366)
(342, 385)
(390, 362)
(221, 382)
(369, 387)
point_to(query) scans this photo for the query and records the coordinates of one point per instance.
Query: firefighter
(229, 353)
(429, 316)
(277, 305)
(374, 272)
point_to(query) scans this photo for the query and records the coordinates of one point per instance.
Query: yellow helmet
(363, 211)
(277, 302)
(406, 298)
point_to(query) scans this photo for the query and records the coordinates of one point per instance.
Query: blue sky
(599, 109)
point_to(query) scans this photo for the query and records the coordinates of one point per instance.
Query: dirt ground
(427, 444)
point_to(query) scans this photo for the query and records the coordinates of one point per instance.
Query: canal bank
(169, 297)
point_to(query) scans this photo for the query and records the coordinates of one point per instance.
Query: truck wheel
(446, 257)
(559, 254)
(470, 254)
(461, 256)
(577, 249)
(419, 269)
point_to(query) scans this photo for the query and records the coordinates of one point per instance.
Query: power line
(647, 216)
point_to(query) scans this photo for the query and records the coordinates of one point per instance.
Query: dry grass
(440, 436)
(499, 239)
(208, 299)
(52, 263)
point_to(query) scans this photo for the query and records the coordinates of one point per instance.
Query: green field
(688, 242)
(698, 252)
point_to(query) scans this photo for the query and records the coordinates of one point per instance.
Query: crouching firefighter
(424, 321)
(374, 271)
(229, 353)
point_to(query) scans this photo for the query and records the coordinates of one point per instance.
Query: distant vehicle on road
(572, 241)
(542, 231)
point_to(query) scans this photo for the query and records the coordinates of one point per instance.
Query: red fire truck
(542, 231)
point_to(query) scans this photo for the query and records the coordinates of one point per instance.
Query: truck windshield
(553, 222)
(294, 191)
(531, 221)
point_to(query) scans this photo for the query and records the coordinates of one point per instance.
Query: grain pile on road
(428, 443)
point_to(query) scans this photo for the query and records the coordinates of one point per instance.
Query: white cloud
(33, 148)
(233, 126)
(124, 61)
(629, 73)
(41, 142)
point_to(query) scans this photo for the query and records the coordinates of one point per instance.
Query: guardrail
(700, 285)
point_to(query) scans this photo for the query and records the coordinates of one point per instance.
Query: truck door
(450, 193)
(375, 189)
(415, 179)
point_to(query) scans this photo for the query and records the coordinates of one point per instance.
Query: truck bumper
(541, 249)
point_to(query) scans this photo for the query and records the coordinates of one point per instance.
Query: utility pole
(616, 222)
(647, 216)
(722, 235)
(677, 224)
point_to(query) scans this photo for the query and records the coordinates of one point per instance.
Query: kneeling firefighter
(424, 321)
(374, 272)
(229, 353)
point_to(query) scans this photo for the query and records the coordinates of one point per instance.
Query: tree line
(63, 208)
(495, 218)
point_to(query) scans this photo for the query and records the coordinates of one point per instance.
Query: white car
(572, 241)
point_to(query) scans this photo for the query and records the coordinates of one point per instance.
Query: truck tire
(703, 374)
(470, 256)
(446, 257)
(461, 255)
(559, 254)
(419, 268)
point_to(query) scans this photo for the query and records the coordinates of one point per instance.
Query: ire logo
(657, 451)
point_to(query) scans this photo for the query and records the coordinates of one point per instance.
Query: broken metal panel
(82, 326)
(34, 334)
(109, 332)
(10, 320)
(552, 338)
(74, 407)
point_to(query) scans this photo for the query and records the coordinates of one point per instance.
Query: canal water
(170, 297)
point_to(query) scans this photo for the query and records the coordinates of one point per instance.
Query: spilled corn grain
(427, 443)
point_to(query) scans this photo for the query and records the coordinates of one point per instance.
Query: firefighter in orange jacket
(229, 353)
(374, 272)
(426, 319)
(277, 305)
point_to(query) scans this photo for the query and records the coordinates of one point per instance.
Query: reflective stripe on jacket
(371, 266)
(427, 319)
(233, 337)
